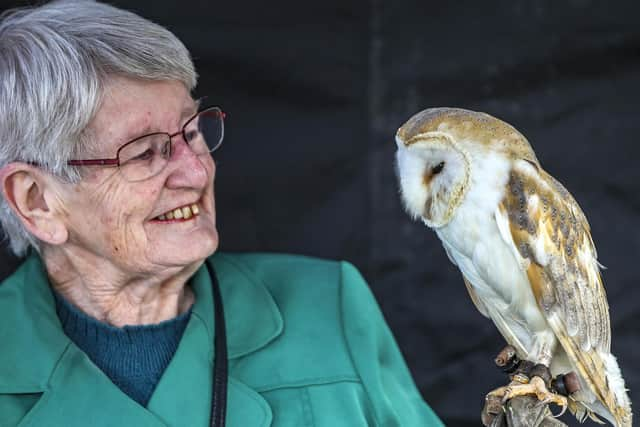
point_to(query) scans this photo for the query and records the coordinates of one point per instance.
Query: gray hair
(55, 62)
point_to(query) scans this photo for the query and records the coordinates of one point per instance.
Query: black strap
(220, 371)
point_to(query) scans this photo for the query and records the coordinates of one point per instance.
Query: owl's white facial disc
(434, 176)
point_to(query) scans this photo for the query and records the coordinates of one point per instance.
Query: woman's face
(112, 219)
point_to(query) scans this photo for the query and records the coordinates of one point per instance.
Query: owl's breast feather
(474, 242)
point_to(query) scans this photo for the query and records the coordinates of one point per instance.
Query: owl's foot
(522, 386)
(533, 387)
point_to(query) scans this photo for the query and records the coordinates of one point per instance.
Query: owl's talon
(536, 386)
(558, 400)
(564, 409)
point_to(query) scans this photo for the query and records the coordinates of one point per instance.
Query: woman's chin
(187, 249)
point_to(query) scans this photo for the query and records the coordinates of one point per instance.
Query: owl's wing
(476, 301)
(482, 308)
(505, 326)
(550, 236)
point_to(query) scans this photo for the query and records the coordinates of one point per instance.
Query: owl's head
(437, 151)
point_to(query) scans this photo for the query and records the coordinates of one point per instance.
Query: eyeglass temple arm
(93, 162)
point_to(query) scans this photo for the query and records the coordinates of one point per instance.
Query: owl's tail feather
(594, 418)
(622, 410)
(584, 403)
(600, 375)
(582, 412)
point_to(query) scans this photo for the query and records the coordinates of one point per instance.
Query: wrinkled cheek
(118, 237)
(113, 238)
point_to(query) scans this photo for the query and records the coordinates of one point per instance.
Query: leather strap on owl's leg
(566, 384)
(514, 404)
(508, 362)
(527, 378)
(543, 372)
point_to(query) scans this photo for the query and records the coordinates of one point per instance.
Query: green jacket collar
(252, 317)
(36, 344)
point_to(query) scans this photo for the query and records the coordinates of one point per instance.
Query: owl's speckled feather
(522, 243)
(564, 277)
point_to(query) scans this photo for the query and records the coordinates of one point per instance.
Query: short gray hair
(55, 61)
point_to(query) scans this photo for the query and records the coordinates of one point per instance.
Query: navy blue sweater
(133, 357)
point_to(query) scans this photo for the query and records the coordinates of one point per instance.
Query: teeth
(186, 212)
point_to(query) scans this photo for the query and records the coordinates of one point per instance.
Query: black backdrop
(315, 92)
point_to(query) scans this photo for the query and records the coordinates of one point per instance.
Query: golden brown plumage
(522, 243)
(566, 284)
(459, 125)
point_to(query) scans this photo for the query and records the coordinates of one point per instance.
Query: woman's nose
(188, 169)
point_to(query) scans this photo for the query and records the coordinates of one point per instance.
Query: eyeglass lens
(148, 155)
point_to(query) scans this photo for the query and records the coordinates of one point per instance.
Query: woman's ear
(31, 193)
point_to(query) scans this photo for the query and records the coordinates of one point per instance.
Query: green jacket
(307, 347)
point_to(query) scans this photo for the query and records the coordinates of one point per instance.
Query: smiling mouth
(183, 213)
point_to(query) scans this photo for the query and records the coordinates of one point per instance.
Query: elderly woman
(120, 315)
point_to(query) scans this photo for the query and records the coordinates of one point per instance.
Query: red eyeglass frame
(116, 161)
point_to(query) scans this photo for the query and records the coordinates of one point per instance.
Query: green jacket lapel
(38, 357)
(80, 395)
(247, 304)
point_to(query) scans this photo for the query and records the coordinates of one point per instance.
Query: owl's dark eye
(437, 168)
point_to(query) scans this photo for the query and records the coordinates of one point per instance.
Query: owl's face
(434, 173)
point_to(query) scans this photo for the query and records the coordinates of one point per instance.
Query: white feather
(476, 238)
(614, 377)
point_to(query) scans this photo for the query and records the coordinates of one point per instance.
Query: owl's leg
(544, 343)
(532, 378)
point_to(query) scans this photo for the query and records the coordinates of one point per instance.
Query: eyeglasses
(147, 155)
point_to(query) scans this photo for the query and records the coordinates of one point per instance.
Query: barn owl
(523, 246)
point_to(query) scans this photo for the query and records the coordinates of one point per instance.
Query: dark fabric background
(315, 92)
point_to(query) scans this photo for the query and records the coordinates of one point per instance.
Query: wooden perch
(522, 411)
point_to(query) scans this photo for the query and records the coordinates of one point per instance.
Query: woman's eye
(437, 168)
(146, 155)
(191, 135)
